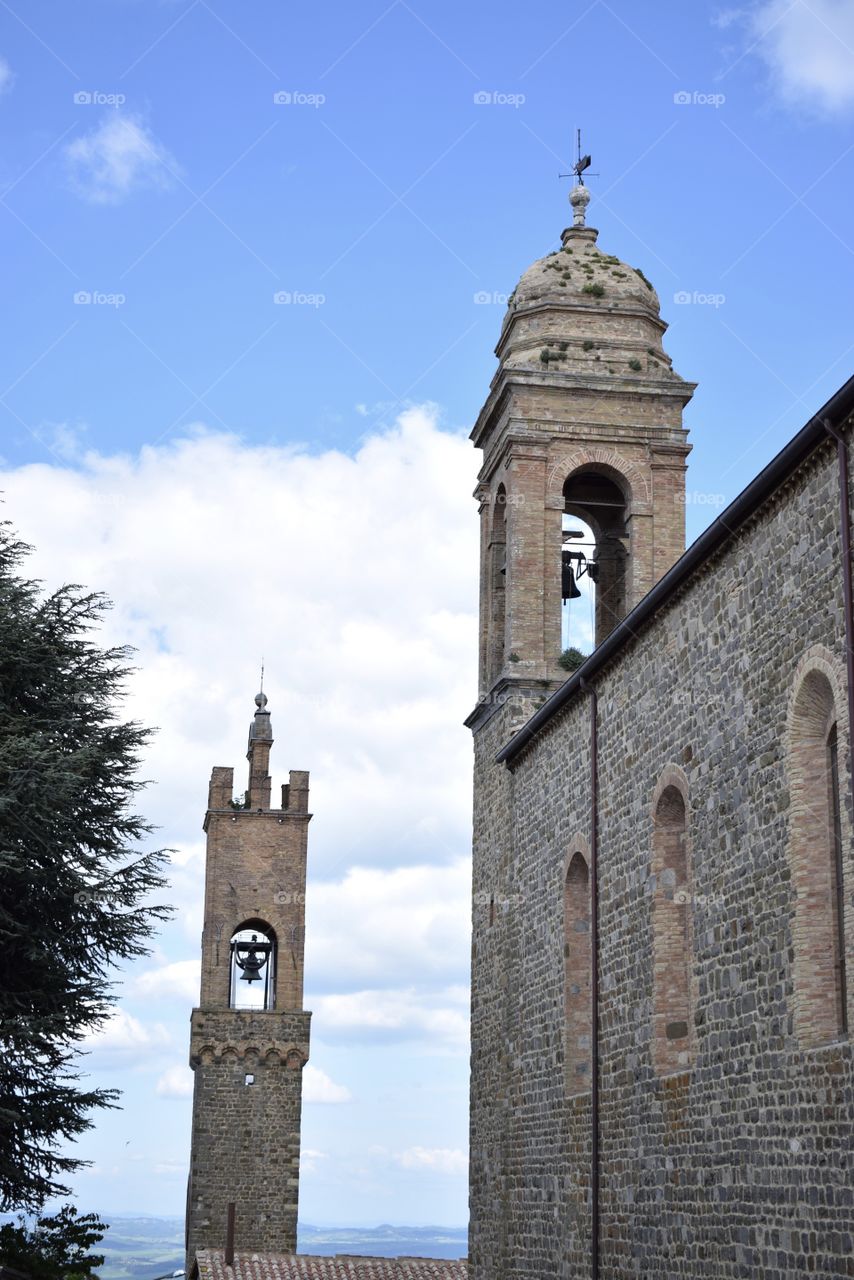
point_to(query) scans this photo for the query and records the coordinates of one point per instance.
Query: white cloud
(445, 1160)
(308, 1160)
(7, 76)
(176, 980)
(176, 1082)
(122, 1033)
(118, 157)
(355, 576)
(317, 1087)
(808, 46)
(438, 1017)
(409, 924)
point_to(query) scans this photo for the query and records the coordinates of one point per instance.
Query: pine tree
(74, 884)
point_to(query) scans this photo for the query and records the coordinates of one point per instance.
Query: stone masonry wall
(246, 1135)
(738, 1164)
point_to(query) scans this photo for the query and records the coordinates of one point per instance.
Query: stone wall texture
(730, 1153)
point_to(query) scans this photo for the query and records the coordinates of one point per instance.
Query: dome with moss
(581, 310)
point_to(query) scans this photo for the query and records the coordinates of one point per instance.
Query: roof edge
(779, 469)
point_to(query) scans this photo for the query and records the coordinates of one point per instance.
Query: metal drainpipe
(594, 981)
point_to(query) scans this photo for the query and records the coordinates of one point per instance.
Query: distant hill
(142, 1248)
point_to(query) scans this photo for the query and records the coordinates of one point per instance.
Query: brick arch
(820, 659)
(564, 465)
(818, 836)
(670, 776)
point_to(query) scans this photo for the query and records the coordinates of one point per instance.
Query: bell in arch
(253, 967)
(569, 590)
(251, 960)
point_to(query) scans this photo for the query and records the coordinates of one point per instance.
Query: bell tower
(582, 426)
(583, 422)
(249, 1036)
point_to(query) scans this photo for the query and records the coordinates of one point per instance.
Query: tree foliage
(74, 885)
(54, 1248)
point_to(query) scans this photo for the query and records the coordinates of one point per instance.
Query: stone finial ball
(579, 196)
(260, 701)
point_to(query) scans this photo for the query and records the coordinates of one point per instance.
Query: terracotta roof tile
(306, 1266)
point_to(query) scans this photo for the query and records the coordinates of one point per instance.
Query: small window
(577, 974)
(816, 862)
(671, 935)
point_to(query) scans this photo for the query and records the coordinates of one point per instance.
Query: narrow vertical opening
(817, 864)
(601, 502)
(837, 883)
(498, 584)
(577, 974)
(671, 924)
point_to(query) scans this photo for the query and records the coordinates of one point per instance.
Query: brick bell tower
(249, 1035)
(582, 425)
(583, 421)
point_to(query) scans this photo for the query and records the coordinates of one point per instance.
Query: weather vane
(582, 164)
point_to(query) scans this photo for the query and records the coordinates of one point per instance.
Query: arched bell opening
(601, 500)
(578, 590)
(252, 974)
(498, 583)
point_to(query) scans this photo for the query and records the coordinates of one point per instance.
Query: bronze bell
(251, 960)
(569, 591)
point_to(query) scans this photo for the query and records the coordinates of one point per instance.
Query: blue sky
(246, 475)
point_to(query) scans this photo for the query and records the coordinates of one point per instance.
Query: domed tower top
(583, 311)
(583, 419)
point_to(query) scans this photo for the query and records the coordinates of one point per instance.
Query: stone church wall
(738, 1164)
